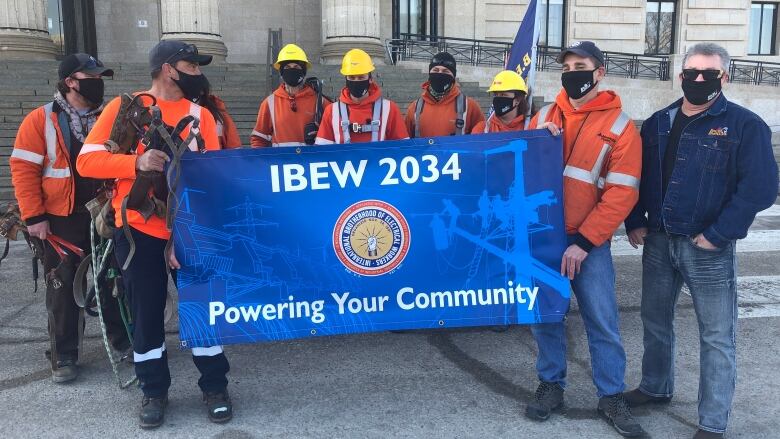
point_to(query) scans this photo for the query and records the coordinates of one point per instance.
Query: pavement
(469, 383)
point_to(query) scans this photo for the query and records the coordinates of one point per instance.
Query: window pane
(415, 16)
(404, 16)
(542, 5)
(667, 28)
(556, 23)
(754, 36)
(766, 29)
(54, 23)
(651, 28)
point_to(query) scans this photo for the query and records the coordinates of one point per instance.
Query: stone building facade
(237, 30)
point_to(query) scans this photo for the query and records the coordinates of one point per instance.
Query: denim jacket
(725, 173)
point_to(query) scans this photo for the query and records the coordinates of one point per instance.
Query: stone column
(196, 22)
(350, 24)
(24, 30)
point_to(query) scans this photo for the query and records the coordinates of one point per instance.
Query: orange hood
(281, 92)
(450, 97)
(516, 124)
(604, 100)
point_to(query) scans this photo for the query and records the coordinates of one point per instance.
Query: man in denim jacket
(708, 168)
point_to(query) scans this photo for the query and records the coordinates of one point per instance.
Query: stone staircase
(25, 85)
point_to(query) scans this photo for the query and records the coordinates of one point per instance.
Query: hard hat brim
(278, 65)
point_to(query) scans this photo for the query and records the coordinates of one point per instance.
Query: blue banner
(279, 243)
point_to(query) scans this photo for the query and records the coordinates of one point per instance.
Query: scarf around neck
(80, 124)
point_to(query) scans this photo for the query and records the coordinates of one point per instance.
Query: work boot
(636, 398)
(65, 371)
(219, 406)
(703, 434)
(153, 411)
(616, 411)
(548, 398)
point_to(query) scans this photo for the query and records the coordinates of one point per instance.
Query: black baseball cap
(171, 51)
(582, 48)
(82, 62)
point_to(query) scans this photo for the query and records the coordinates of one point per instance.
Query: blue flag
(522, 56)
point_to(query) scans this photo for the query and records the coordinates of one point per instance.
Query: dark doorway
(415, 17)
(72, 26)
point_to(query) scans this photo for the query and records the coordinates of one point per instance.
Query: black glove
(310, 133)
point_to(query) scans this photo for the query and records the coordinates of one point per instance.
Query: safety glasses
(708, 75)
(188, 50)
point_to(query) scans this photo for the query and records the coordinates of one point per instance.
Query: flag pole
(532, 71)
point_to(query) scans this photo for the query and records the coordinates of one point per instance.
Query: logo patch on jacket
(722, 131)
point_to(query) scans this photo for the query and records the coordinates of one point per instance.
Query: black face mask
(191, 86)
(358, 89)
(503, 105)
(578, 83)
(293, 77)
(441, 82)
(93, 90)
(699, 93)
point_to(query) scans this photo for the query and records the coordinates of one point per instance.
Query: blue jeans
(667, 262)
(594, 288)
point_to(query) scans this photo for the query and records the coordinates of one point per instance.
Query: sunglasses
(189, 49)
(293, 105)
(708, 75)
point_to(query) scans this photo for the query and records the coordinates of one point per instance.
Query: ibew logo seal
(371, 238)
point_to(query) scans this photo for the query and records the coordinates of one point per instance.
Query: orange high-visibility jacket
(41, 167)
(373, 119)
(226, 130)
(277, 123)
(494, 124)
(603, 163)
(438, 118)
(95, 160)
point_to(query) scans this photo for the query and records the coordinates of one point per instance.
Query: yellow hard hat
(291, 52)
(508, 80)
(356, 62)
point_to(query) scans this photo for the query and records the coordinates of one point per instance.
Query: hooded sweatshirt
(602, 154)
(496, 125)
(361, 113)
(438, 117)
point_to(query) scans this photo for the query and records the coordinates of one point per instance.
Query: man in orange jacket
(52, 195)
(177, 82)
(361, 114)
(286, 118)
(442, 109)
(603, 160)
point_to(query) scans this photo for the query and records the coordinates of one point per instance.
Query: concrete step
(6, 194)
